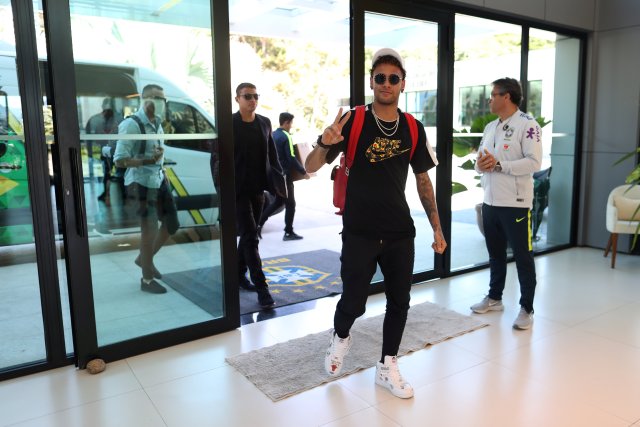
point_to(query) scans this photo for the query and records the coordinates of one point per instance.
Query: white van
(190, 135)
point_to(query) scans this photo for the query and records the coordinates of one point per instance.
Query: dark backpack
(340, 173)
(143, 142)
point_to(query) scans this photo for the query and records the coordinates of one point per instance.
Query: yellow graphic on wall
(6, 185)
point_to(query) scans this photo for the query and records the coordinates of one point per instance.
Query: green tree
(465, 145)
(304, 75)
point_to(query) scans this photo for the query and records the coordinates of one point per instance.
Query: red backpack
(340, 173)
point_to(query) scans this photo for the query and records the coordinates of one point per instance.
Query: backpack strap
(354, 135)
(143, 145)
(413, 130)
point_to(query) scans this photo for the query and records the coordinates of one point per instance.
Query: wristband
(320, 144)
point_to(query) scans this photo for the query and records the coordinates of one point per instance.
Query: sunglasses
(394, 79)
(248, 96)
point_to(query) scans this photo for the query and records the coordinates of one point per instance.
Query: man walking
(257, 169)
(377, 224)
(103, 122)
(146, 183)
(509, 153)
(290, 165)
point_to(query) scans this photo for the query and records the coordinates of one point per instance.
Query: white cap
(386, 51)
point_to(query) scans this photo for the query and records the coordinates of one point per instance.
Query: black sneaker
(264, 298)
(156, 273)
(152, 287)
(246, 285)
(291, 236)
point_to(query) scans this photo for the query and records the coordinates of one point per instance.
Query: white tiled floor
(578, 366)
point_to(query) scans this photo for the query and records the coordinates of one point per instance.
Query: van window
(186, 119)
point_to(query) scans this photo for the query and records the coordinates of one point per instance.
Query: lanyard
(293, 154)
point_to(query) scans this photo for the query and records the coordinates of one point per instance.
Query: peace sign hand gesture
(333, 134)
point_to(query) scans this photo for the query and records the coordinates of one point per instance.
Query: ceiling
(266, 18)
(326, 20)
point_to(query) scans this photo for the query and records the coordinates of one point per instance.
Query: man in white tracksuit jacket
(509, 153)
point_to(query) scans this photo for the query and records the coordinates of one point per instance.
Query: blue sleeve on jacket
(282, 145)
(288, 161)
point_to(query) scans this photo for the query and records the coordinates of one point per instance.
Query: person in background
(257, 169)
(377, 224)
(290, 165)
(509, 153)
(146, 184)
(102, 123)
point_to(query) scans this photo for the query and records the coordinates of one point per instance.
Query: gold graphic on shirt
(384, 149)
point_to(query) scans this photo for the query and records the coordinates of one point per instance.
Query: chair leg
(614, 249)
(606, 250)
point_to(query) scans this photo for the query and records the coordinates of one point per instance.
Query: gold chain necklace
(387, 131)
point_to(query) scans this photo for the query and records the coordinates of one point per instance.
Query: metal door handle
(76, 179)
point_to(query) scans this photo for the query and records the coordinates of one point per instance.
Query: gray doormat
(292, 279)
(288, 368)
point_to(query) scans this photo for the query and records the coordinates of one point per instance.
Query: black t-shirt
(250, 144)
(376, 205)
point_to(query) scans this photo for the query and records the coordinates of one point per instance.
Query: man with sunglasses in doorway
(509, 153)
(377, 224)
(257, 169)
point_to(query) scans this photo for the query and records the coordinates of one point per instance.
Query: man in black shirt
(257, 169)
(377, 223)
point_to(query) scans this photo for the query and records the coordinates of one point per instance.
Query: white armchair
(621, 207)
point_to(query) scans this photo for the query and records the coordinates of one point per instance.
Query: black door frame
(61, 82)
(39, 194)
(72, 216)
(443, 106)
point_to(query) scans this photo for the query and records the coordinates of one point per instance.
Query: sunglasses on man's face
(394, 79)
(248, 96)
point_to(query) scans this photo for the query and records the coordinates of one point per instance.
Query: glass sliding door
(419, 39)
(485, 50)
(21, 322)
(33, 308)
(554, 74)
(147, 129)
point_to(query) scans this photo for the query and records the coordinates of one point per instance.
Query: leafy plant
(633, 179)
(634, 176)
(465, 145)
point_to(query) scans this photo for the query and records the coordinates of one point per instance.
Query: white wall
(611, 124)
(579, 14)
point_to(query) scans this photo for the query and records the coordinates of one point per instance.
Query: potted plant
(633, 179)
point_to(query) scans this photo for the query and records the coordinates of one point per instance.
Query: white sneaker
(338, 348)
(524, 320)
(487, 304)
(388, 376)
